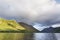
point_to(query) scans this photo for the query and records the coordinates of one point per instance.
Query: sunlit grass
(10, 25)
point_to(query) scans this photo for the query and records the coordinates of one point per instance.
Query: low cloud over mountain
(43, 11)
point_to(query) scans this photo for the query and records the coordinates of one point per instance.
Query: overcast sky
(42, 11)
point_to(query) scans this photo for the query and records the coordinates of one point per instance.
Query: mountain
(13, 26)
(29, 28)
(51, 30)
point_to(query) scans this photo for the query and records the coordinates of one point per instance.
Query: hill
(13, 26)
(29, 28)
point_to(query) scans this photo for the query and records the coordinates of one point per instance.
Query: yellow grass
(10, 25)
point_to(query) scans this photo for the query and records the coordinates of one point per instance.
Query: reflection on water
(45, 36)
(27, 36)
(16, 36)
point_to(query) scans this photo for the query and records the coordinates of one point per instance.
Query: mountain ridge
(12, 25)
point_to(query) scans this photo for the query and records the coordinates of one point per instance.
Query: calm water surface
(29, 36)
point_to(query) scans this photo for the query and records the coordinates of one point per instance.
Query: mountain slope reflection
(16, 36)
(29, 36)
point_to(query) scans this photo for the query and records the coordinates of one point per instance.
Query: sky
(58, 1)
(30, 11)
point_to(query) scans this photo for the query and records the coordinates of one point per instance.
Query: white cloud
(35, 10)
(56, 25)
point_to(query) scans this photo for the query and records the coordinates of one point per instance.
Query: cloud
(43, 11)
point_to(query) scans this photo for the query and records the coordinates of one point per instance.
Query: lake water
(29, 36)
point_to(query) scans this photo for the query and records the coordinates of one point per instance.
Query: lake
(29, 36)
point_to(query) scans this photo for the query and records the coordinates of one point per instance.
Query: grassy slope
(12, 25)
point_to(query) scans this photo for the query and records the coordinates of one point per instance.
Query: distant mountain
(51, 30)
